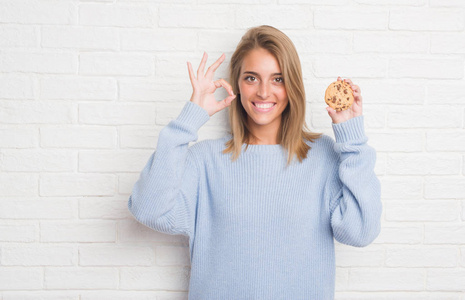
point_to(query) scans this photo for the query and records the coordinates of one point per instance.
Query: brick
(80, 278)
(426, 19)
(39, 62)
(132, 231)
(444, 234)
(38, 255)
(392, 2)
(318, 42)
(430, 68)
(350, 66)
(120, 295)
(462, 254)
(116, 114)
(38, 12)
(423, 164)
(158, 40)
(247, 16)
(78, 88)
(444, 188)
(126, 183)
(198, 16)
(67, 184)
(315, 2)
(35, 112)
(16, 87)
(424, 117)
(219, 40)
(117, 15)
(41, 295)
(397, 141)
(392, 92)
(422, 211)
(75, 136)
(39, 208)
(20, 184)
(172, 256)
(342, 279)
(124, 64)
(390, 42)
(18, 232)
(347, 256)
(445, 280)
(172, 68)
(19, 278)
(83, 38)
(166, 278)
(138, 137)
(18, 36)
(446, 3)
(445, 140)
(38, 160)
(397, 188)
(81, 231)
(113, 161)
(114, 255)
(104, 208)
(448, 43)
(351, 18)
(380, 165)
(421, 257)
(150, 90)
(445, 93)
(386, 279)
(18, 138)
(404, 234)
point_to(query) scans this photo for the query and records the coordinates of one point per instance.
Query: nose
(263, 90)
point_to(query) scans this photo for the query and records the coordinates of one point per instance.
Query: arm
(355, 203)
(164, 197)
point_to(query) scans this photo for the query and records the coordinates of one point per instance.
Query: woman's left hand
(353, 111)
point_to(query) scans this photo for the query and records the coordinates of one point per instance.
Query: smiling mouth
(264, 105)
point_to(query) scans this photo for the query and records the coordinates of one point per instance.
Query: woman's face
(262, 90)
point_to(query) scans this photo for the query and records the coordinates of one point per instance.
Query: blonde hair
(293, 131)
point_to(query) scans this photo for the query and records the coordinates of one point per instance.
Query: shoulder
(208, 147)
(323, 149)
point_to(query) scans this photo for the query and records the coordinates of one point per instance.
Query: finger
(339, 78)
(356, 89)
(349, 81)
(223, 83)
(191, 73)
(202, 65)
(211, 70)
(226, 102)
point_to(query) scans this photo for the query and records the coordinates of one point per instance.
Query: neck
(265, 134)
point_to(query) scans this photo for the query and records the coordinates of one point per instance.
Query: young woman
(262, 205)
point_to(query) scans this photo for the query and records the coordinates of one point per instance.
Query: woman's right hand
(204, 87)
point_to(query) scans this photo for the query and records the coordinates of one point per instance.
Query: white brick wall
(87, 85)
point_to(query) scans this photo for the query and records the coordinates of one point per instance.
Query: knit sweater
(258, 229)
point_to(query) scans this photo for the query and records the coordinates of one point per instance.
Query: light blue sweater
(259, 230)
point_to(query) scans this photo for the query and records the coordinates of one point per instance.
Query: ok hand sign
(204, 86)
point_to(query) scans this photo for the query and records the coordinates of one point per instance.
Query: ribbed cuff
(194, 115)
(352, 129)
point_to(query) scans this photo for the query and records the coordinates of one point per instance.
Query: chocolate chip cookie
(339, 95)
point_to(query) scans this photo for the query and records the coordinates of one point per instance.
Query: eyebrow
(256, 74)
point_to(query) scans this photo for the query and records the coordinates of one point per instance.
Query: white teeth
(265, 105)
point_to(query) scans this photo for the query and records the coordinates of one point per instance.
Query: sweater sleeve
(355, 202)
(164, 197)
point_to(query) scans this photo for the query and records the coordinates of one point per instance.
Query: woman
(262, 205)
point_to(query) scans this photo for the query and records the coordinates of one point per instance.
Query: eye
(279, 79)
(249, 78)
